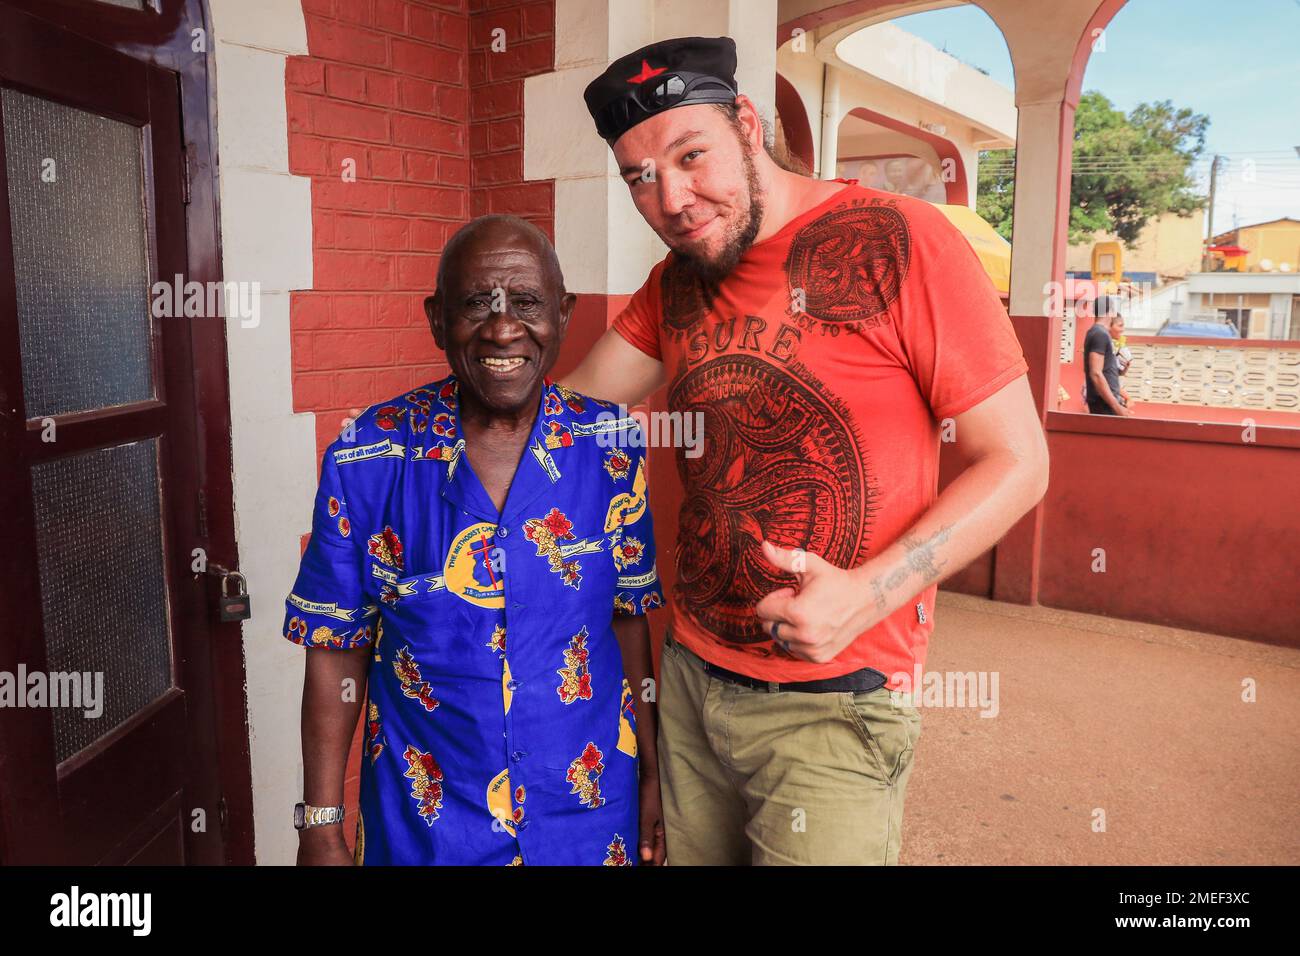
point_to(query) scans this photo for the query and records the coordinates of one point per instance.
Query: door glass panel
(76, 204)
(99, 543)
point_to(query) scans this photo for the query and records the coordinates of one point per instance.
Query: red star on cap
(647, 73)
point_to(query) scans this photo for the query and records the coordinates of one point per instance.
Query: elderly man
(482, 556)
(826, 332)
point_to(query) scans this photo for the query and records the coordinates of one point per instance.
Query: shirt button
(513, 685)
(502, 531)
(518, 755)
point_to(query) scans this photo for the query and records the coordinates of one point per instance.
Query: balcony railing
(1254, 374)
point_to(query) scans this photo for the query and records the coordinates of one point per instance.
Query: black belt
(857, 682)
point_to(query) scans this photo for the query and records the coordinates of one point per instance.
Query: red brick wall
(433, 120)
(496, 132)
(411, 92)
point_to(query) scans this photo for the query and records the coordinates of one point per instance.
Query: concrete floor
(1145, 723)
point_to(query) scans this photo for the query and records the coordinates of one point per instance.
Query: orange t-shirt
(823, 365)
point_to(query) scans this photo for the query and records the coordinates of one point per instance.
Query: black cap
(679, 72)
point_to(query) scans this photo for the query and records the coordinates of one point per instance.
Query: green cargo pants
(752, 777)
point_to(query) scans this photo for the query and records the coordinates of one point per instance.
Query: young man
(1103, 393)
(479, 569)
(824, 330)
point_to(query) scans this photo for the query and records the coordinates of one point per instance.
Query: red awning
(1230, 250)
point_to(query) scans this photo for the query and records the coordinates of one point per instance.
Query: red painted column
(1017, 557)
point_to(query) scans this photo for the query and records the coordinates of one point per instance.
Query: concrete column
(1042, 172)
(830, 148)
(970, 164)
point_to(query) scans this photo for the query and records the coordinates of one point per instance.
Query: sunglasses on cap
(661, 93)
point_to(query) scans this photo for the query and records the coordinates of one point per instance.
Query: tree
(995, 189)
(1127, 170)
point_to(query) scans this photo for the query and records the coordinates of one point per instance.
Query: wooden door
(100, 466)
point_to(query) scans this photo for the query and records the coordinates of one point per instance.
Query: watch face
(299, 815)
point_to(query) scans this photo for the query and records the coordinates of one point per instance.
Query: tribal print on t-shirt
(823, 366)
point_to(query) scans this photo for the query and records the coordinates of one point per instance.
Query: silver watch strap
(321, 816)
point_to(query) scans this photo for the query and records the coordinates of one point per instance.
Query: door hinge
(187, 156)
(203, 515)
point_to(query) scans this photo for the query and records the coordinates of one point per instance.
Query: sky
(1237, 62)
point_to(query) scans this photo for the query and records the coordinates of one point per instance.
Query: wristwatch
(306, 816)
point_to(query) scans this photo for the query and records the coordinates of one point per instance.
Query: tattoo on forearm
(921, 554)
(879, 592)
(920, 558)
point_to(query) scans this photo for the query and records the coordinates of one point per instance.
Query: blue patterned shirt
(499, 725)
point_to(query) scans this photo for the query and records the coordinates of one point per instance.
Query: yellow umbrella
(993, 251)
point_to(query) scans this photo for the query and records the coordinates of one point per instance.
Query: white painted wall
(266, 238)
(859, 138)
(603, 243)
(890, 71)
(900, 59)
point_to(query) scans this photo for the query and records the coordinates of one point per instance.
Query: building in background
(1167, 249)
(1272, 246)
(895, 112)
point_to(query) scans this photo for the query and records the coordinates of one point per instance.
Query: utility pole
(1209, 238)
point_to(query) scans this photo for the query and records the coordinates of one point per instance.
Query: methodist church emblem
(474, 570)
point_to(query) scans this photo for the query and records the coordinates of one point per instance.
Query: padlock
(235, 607)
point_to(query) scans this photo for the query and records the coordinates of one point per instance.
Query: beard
(740, 235)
